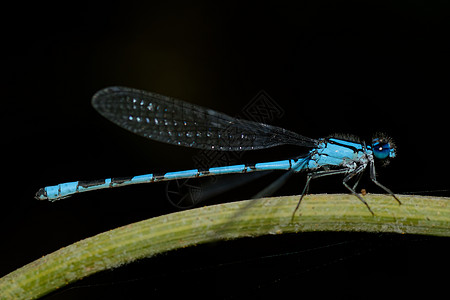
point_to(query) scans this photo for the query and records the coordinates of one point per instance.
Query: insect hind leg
(315, 175)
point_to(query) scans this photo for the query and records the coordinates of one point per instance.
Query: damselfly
(172, 121)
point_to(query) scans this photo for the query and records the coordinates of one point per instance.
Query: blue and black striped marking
(64, 190)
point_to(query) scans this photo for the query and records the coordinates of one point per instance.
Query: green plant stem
(417, 215)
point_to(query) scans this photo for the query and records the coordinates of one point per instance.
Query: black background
(332, 66)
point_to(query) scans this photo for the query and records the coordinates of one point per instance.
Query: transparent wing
(173, 121)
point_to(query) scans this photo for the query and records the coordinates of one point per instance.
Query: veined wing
(176, 122)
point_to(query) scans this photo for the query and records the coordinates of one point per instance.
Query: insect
(176, 122)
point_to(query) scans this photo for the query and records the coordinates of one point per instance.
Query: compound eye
(381, 150)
